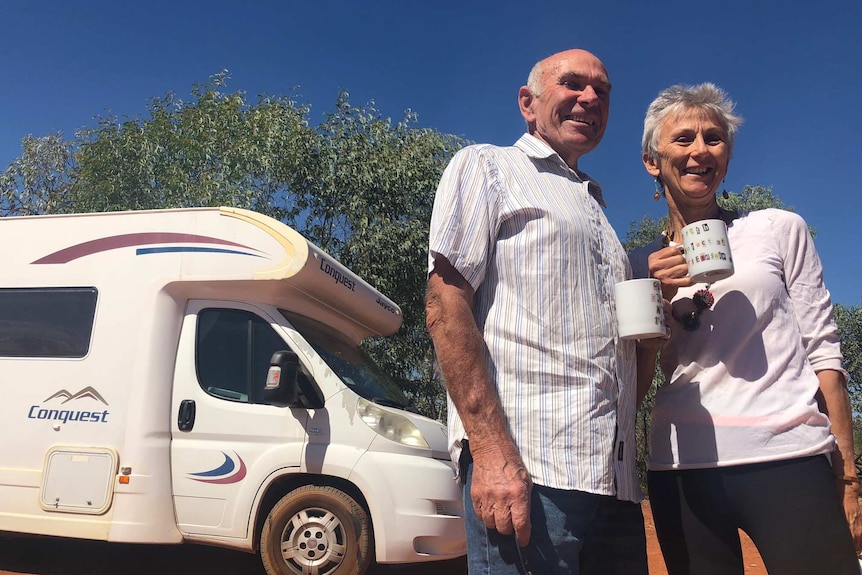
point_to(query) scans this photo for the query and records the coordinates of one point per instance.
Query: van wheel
(316, 530)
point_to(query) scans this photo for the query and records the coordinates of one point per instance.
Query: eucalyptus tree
(39, 180)
(357, 184)
(367, 199)
(216, 149)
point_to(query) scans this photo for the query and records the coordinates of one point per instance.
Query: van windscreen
(350, 363)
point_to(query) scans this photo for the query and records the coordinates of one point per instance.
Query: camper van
(195, 375)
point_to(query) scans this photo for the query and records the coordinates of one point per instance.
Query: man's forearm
(460, 350)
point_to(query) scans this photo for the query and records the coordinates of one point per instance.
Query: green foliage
(642, 426)
(750, 199)
(358, 185)
(214, 150)
(849, 320)
(38, 181)
(367, 200)
(643, 232)
(753, 198)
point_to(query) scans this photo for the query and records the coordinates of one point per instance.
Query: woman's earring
(658, 190)
(724, 194)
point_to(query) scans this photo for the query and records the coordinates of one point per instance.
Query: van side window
(232, 353)
(46, 322)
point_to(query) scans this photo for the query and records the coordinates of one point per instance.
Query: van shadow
(34, 555)
(55, 556)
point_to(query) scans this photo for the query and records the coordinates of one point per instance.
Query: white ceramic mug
(707, 251)
(639, 309)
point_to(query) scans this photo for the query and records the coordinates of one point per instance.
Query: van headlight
(390, 425)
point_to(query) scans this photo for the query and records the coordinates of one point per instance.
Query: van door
(225, 440)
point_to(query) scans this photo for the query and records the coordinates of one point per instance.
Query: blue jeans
(573, 533)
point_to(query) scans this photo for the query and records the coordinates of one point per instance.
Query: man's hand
(501, 488)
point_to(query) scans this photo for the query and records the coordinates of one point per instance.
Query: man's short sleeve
(463, 222)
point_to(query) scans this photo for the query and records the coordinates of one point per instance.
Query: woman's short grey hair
(707, 97)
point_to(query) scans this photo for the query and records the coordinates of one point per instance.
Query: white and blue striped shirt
(530, 236)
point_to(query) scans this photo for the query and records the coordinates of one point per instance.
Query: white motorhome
(195, 375)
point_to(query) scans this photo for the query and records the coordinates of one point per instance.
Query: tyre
(316, 530)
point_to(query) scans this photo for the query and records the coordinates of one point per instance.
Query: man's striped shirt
(530, 236)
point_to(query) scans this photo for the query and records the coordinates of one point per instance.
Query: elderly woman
(752, 428)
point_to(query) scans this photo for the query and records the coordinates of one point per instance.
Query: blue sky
(794, 68)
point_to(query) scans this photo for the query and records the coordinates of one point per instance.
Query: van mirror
(288, 384)
(281, 388)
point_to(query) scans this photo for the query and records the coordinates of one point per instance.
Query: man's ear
(525, 103)
(651, 166)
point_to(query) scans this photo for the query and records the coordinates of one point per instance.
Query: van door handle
(186, 415)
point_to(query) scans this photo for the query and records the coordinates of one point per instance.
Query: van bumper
(416, 507)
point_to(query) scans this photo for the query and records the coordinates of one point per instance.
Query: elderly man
(522, 267)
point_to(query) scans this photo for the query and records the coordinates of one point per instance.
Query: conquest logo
(67, 415)
(339, 278)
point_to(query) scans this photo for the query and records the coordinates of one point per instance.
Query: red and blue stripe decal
(181, 243)
(228, 472)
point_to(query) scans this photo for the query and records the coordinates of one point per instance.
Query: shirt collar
(536, 148)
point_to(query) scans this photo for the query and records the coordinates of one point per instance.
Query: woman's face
(692, 157)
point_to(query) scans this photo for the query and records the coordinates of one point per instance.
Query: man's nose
(588, 96)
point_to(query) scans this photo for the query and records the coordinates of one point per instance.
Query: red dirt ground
(751, 558)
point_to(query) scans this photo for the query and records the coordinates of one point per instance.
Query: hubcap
(313, 542)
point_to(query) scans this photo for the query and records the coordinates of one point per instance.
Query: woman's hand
(850, 499)
(668, 266)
